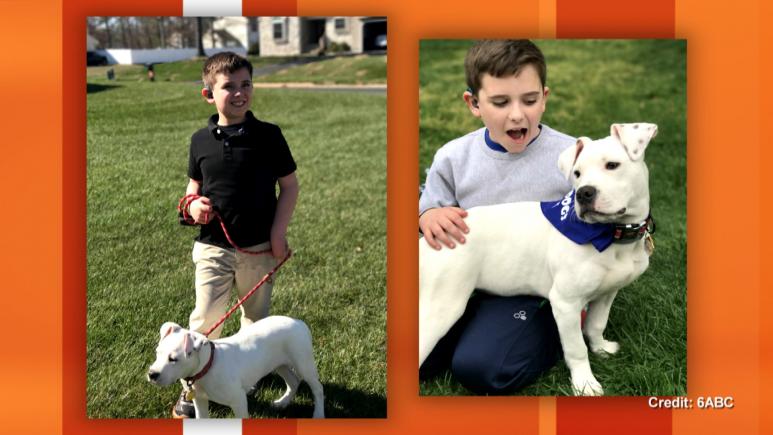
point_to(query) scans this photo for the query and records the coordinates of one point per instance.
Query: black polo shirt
(238, 171)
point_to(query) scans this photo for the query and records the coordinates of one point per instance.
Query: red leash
(183, 207)
(254, 289)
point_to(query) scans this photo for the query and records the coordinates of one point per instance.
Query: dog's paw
(605, 347)
(587, 386)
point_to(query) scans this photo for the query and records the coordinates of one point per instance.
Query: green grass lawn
(140, 272)
(360, 69)
(595, 83)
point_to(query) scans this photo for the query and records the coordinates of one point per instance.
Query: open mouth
(518, 134)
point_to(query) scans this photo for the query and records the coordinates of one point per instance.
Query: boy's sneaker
(183, 408)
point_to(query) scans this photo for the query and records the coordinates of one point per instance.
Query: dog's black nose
(585, 195)
(153, 375)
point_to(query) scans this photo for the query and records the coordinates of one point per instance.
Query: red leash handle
(184, 207)
(254, 289)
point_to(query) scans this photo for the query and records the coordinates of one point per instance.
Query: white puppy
(224, 370)
(513, 249)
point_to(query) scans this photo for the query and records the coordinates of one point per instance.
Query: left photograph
(236, 217)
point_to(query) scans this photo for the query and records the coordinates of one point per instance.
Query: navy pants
(500, 345)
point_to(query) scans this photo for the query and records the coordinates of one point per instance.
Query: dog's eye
(612, 165)
(172, 359)
(577, 174)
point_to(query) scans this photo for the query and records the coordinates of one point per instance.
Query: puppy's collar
(632, 232)
(190, 380)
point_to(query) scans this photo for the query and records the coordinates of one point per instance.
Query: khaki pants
(217, 271)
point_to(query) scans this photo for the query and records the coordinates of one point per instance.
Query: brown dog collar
(190, 380)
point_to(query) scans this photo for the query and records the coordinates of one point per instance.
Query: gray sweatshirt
(467, 173)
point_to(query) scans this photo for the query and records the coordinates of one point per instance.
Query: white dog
(513, 249)
(224, 370)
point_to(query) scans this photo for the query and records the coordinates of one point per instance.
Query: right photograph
(553, 217)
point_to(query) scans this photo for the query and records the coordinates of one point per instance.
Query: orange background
(729, 258)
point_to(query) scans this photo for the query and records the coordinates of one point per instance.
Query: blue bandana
(561, 214)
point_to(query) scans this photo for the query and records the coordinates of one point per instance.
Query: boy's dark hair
(220, 63)
(500, 58)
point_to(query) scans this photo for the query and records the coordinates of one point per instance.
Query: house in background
(233, 32)
(266, 36)
(289, 36)
(292, 36)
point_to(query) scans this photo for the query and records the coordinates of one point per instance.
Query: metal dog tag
(649, 244)
(189, 395)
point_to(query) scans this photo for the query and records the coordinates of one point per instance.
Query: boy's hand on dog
(437, 224)
(201, 210)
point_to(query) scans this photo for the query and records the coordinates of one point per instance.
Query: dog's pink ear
(634, 137)
(168, 328)
(569, 156)
(187, 344)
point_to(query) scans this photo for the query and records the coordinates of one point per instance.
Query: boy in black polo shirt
(235, 164)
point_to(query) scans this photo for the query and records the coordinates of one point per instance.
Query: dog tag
(189, 395)
(649, 244)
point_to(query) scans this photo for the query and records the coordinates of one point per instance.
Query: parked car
(93, 59)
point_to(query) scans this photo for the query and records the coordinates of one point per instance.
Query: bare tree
(124, 37)
(91, 26)
(185, 34)
(186, 24)
(212, 30)
(150, 32)
(161, 34)
(106, 20)
(144, 24)
(200, 37)
(130, 25)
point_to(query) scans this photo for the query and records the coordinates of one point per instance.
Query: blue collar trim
(497, 147)
(563, 217)
(493, 145)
